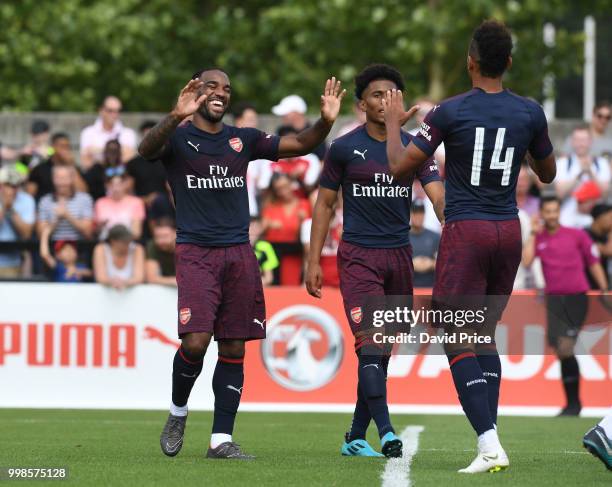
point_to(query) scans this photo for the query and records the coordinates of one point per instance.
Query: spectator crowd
(106, 214)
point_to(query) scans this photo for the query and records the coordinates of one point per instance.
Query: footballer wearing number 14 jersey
(487, 132)
(220, 292)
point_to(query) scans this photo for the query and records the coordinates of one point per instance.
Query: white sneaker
(488, 462)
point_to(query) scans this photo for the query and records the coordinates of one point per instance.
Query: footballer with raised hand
(374, 257)
(487, 132)
(219, 286)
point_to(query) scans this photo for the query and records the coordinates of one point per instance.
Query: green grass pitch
(116, 448)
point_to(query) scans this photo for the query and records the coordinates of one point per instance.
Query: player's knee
(232, 348)
(195, 344)
(565, 347)
(371, 376)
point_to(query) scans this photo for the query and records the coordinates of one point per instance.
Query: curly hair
(375, 72)
(491, 47)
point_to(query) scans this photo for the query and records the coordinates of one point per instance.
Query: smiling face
(217, 87)
(372, 97)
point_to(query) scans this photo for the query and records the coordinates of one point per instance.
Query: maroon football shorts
(220, 292)
(366, 272)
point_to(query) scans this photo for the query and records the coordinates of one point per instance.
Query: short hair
(146, 125)
(59, 135)
(549, 199)
(283, 130)
(197, 74)
(601, 104)
(119, 233)
(375, 72)
(242, 107)
(581, 127)
(491, 47)
(164, 221)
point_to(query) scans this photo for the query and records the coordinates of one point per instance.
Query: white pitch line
(397, 470)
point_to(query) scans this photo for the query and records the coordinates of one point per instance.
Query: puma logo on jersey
(362, 154)
(195, 147)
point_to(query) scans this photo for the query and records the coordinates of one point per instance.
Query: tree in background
(68, 54)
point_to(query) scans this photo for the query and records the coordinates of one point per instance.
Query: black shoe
(171, 439)
(599, 445)
(229, 449)
(571, 410)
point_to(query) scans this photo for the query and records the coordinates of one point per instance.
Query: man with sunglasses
(601, 141)
(107, 126)
(220, 293)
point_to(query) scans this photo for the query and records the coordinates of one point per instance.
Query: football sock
(185, 371)
(489, 441)
(570, 374)
(372, 382)
(472, 390)
(606, 424)
(361, 417)
(217, 438)
(491, 371)
(227, 385)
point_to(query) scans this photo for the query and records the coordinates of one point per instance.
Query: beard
(208, 116)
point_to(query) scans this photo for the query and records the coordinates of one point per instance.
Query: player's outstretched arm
(305, 142)
(546, 169)
(402, 160)
(322, 215)
(189, 100)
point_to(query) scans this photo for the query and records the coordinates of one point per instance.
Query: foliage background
(65, 55)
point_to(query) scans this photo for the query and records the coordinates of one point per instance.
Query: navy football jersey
(207, 174)
(376, 205)
(486, 136)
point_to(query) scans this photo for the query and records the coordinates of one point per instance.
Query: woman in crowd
(118, 207)
(119, 261)
(282, 218)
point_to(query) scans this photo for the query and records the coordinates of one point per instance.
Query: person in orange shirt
(282, 218)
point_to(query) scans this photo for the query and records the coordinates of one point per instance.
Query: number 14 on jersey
(504, 165)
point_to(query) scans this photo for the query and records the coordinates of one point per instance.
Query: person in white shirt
(576, 170)
(106, 127)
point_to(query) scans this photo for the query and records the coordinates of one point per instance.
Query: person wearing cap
(574, 173)
(293, 110)
(424, 246)
(17, 217)
(64, 264)
(38, 149)
(66, 212)
(600, 232)
(40, 180)
(107, 127)
(567, 255)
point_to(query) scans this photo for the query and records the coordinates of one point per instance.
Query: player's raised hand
(393, 104)
(190, 99)
(331, 100)
(314, 280)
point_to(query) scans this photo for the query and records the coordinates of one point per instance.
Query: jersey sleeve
(333, 168)
(428, 172)
(265, 146)
(588, 249)
(540, 146)
(433, 129)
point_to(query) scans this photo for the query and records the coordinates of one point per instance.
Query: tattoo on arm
(152, 145)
